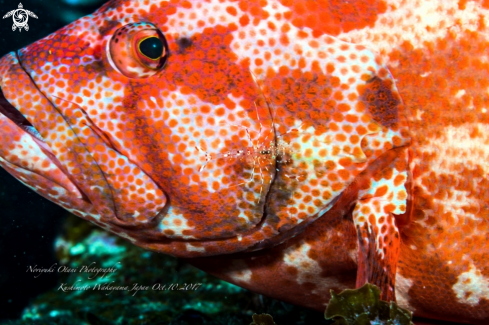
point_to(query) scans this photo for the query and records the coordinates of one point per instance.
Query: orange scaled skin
(270, 144)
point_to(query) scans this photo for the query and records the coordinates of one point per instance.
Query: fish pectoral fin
(378, 251)
(374, 217)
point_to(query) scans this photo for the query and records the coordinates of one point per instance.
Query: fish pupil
(151, 47)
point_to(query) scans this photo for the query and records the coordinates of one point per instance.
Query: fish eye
(137, 50)
(151, 47)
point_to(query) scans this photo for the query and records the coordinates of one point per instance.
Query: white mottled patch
(418, 22)
(192, 248)
(458, 144)
(296, 256)
(451, 150)
(211, 13)
(309, 270)
(471, 287)
(239, 272)
(402, 292)
(177, 223)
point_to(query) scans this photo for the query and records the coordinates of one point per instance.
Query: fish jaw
(44, 153)
(24, 153)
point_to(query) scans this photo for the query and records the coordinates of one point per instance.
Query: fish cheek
(210, 137)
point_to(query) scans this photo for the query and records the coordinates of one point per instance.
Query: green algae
(262, 319)
(363, 307)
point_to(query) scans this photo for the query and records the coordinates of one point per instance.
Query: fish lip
(105, 202)
(14, 114)
(11, 112)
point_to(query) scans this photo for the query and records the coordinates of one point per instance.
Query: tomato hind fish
(288, 147)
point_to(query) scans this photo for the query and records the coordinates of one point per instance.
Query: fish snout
(51, 146)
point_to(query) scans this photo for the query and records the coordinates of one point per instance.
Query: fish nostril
(13, 114)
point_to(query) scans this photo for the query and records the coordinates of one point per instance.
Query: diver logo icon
(20, 17)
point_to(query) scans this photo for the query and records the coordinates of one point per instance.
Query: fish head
(168, 123)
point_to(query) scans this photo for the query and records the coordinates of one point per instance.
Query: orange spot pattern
(131, 143)
(129, 132)
(262, 130)
(308, 96)
(430, 80)
(334, 17)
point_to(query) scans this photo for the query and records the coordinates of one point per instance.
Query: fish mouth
(24, 152)
(12, 113)
(58, 146)
(6, 108)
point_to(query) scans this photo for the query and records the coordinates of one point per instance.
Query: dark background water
(28, 222)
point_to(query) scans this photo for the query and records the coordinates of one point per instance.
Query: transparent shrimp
(260, 155)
